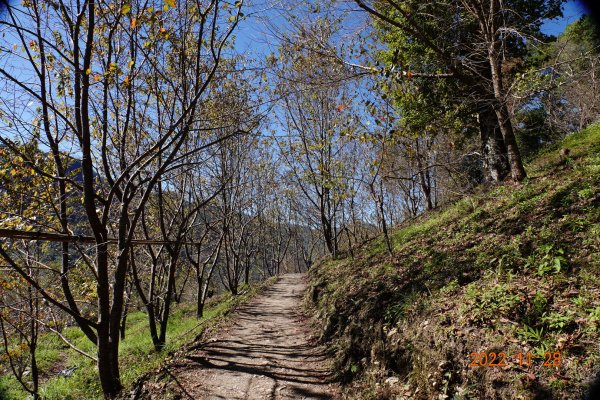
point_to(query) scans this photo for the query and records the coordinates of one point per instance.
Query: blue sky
(255, 35)
(572, 10)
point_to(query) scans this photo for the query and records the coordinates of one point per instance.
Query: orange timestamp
(501, 359)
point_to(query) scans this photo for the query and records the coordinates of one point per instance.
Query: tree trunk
(109, 376)
(118, 293)
(204, 281)
(517, 170)
(152, 325)
(327, 234)
(33, 334)
(204, 292)
(247, 266)
(495, 158)
(200, 299)
(125, 311)
(148, 301)
(423, 180)
(326, 225)
(386, 235)
(503, 116)
(162, 339)
(35, 380)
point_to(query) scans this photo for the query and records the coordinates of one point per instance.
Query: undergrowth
(513, 270)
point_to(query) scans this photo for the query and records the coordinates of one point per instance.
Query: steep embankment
(514, 270)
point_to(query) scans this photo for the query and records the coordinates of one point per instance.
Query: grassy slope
(516, 269)
(137, 355)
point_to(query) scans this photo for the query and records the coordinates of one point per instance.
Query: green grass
(511, 268)
(136, 353)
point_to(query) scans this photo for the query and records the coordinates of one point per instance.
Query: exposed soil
(266, 352)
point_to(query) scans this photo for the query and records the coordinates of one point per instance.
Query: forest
(403, 193)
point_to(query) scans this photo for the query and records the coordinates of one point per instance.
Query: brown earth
(267, 351)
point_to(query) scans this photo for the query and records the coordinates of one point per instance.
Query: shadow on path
(265, 353)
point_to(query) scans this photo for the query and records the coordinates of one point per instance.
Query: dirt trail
(265, 352)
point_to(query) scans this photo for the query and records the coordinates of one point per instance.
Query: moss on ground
(515, 270)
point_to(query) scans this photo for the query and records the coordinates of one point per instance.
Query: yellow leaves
(232, 18)
(125, 9)
(15, 352)
(170, 3)
(113, 67)
(88, 71)
(4, 284)
(97, 78)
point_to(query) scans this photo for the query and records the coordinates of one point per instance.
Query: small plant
(557, 321)
(398, 310)
(471, 292)
(578, 224)
(568, 162)
(541, 349)
(450, 287)
(547, 259)
(526, 192)
(594, 315)
(539, 307)
(527, 206)
(587, 192)
(480, 214)
(539, 304)
(531, 334)
(492, 302)
(579, 301)
(504, 263)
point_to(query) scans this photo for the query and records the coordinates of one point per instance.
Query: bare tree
(314, 95)
(117, 101)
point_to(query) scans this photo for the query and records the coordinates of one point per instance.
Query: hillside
(515, 269)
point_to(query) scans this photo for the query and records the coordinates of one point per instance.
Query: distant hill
(74, 170)
(513, 271)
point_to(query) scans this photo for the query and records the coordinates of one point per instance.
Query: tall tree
(469, 40)
(314, 95)
(122, 85)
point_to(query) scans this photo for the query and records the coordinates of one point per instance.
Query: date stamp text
(501, 359)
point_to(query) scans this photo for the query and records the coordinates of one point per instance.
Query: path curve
(266, 352)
